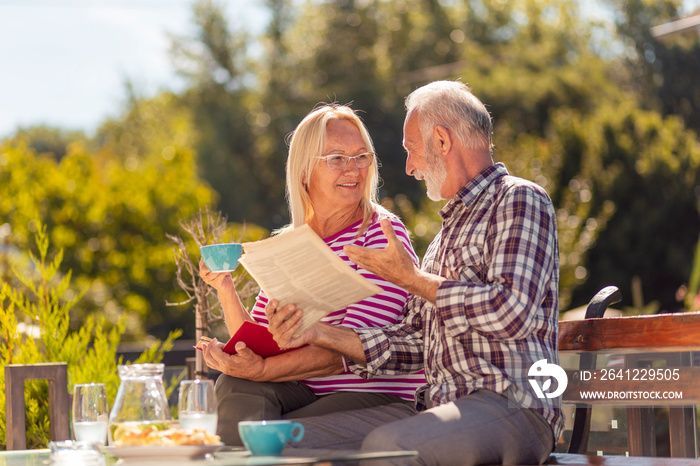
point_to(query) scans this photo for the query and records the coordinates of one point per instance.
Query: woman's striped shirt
(382, 309)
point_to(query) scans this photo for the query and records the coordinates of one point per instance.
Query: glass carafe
(141, 401)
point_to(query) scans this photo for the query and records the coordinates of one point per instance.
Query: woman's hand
(218, 281)
(245, 364)
(234, 311)
(283, 323)
(286, 321)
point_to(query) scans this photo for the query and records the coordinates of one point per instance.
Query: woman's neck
(333, 222)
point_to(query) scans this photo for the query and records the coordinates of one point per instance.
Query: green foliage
(526, 61)
(110, 208)
(648, 168)
(529, 58)
(216, 66)
(692, 295)
(48, 140)
(663, 70)
(659, 172)
(90, 351)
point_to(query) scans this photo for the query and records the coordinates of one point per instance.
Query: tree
(649, 167)
(275, 110)
(662, 71)
(110, 209)
(50, 140)
(216, 66)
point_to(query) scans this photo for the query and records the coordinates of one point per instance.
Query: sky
(65, 63)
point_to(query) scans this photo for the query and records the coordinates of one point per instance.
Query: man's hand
(245, 364)
(392, 263)
(395, 264)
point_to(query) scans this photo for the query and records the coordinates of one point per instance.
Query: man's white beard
(434, 176)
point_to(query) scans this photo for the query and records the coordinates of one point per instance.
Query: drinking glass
(75, 453)
(197, 405)
(90, 412)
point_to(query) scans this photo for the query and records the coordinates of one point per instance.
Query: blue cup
(221, 257)
(268, 438)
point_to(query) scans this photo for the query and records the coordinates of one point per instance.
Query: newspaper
(297, 267)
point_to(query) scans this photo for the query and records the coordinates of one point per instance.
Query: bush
(90, 351)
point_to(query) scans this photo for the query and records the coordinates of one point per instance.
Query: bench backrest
(665, 341)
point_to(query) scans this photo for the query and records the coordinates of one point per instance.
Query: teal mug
(221, 257)
(268, 438)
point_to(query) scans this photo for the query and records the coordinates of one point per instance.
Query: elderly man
(483, 308)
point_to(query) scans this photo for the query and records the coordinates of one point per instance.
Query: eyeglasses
(340, 161)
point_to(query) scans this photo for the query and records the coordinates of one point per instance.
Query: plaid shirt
(496, 312)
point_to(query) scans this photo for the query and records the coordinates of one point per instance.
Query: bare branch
(202, 229)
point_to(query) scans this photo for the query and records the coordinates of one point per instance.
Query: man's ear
(442, 139)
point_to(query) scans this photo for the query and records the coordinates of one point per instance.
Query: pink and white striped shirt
(382, 309)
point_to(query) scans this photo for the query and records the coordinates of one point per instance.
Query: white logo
(542, 369)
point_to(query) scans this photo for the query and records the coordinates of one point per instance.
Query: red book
(256, 337)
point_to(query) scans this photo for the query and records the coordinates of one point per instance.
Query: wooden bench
(661, 341)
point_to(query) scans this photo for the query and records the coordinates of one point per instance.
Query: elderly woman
(332, 181)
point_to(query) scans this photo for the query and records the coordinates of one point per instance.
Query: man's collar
(476, 185)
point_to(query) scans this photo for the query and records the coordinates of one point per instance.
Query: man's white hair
(451, 104)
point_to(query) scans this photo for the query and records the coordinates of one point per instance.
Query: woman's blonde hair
(306, 144)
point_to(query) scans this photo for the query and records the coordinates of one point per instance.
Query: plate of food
(162, 452)
(148, 442)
